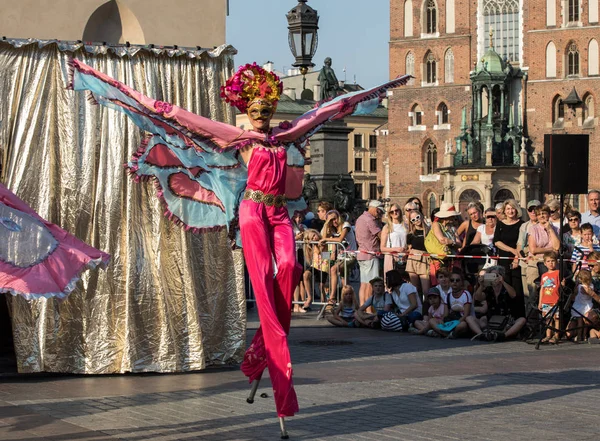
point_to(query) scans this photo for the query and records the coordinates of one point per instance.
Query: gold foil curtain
(170, 301)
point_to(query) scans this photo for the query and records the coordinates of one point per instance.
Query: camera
(489, 279)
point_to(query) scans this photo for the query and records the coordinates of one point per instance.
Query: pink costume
(195, 164)
(37, 258)
(266, 230)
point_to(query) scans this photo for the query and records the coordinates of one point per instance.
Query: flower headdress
(249, 83)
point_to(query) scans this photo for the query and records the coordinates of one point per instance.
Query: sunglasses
(553, 211)
(574, 219)
(394, 211)
(530, 209)
(456, 280)
(410, 209)
(490, 217)
(415, 219)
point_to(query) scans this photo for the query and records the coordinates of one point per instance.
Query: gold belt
(268, 199)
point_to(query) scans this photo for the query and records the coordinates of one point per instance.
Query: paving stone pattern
(353, 384)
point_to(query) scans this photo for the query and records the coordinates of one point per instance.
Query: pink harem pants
(266, 232)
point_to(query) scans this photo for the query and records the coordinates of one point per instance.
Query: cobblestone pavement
(353, 384)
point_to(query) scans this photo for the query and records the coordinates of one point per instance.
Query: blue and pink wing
(361, 102)
(200, 180)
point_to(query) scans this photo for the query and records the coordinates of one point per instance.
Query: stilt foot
(284, 434)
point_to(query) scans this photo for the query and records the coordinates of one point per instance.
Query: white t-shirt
(485, 238)
(401, 299)
(350, 237)
(582, 304)
(397, 238)
(458, 304)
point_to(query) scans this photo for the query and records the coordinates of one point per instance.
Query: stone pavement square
(352, 384)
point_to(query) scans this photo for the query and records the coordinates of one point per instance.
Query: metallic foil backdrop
(170, 301)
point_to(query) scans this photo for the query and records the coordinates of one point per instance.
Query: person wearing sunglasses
(529, 269)
(572, 238)
(408, 208)
(542, 239)
(393, 238)
(417, 265)
(555, 221)
(445, 232)
(485, 232)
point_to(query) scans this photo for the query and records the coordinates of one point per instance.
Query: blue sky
(354, 33)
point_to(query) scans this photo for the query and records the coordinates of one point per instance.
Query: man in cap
(368, 233)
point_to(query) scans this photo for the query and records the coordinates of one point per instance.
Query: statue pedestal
(329, 156)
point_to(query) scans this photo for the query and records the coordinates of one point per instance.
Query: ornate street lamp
(380, 188)
(303, 23)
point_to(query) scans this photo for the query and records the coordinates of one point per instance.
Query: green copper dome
(491, 62)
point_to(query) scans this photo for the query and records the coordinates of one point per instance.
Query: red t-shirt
(549, 288)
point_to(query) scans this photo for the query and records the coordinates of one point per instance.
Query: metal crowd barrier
(336, 255)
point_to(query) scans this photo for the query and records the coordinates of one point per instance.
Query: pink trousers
(266, 234)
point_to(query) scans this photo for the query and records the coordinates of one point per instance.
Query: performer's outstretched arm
(361, 103)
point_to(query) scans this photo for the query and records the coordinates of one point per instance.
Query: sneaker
(478, 337)
(593, 340)
(432, 333)
(451, 336)
(414, 331)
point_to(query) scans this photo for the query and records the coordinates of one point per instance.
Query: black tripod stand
(564, 298)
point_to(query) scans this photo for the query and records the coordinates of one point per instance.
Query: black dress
(509, 235)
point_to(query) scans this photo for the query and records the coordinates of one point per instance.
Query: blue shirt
(588, 217)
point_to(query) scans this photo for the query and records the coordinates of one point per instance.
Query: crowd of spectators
(406, 282)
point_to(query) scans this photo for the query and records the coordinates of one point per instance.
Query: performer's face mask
(260, 114)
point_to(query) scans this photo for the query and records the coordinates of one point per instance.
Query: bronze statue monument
(330, 86)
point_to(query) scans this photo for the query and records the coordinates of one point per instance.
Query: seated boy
(381, 303)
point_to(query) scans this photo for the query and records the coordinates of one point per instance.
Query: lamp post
(380, 188)
(303, 23)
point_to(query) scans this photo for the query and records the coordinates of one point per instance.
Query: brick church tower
(542, 79)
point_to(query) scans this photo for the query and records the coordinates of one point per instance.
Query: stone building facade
(183, 23)
(551, 46)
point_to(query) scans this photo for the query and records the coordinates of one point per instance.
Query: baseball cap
(533, 203)
(377, 204)
(433, 292)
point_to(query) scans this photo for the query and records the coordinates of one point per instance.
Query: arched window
(430, 68)
(593, 57)
(573, 12)
(430, 17)
(503, 195)
(410, 66)
(551, 60)
(558, 111)
(417, 115)
(432, 202)
(503, 17)
(450, 20)
(588, 110)
(593, 11)
(449, 66)
(572, 60)
(443, 114)
(408, 18)
(466, 197)
(431, 158)
(550, 12)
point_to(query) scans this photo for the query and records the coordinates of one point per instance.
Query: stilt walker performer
(213, 175)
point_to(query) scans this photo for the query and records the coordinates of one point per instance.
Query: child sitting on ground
(380, 301)
(583, 306)
(435, 313)
(549, 284)
(346, 312)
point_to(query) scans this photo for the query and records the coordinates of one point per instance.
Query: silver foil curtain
(170, 300)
